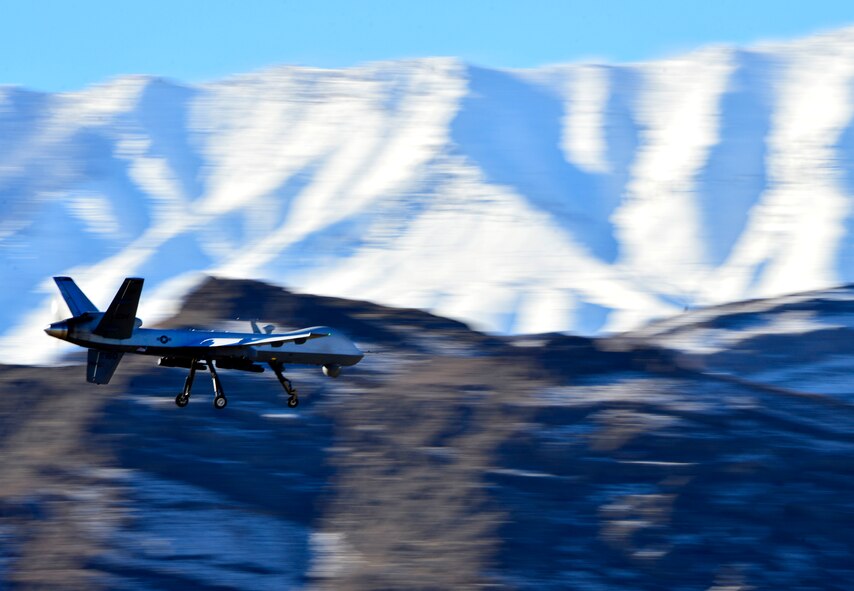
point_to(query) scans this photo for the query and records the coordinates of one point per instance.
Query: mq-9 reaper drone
(109, 335)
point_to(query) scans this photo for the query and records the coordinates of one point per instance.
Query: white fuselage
(334, 349)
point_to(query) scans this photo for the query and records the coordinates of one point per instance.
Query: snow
(241, 547)
(584, 139)
(832, 377)
(678, 114)
(706, 341)
(584, 198)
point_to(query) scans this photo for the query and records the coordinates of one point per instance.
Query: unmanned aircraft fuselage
(289, 347)
(109, 335)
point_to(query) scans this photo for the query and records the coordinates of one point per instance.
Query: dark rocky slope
(447, 459)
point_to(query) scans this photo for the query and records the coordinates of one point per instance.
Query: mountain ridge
(449, 460)
(586, 199)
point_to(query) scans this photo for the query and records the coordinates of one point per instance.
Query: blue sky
(60, 45)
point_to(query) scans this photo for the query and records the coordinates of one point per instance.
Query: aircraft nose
(58, 330)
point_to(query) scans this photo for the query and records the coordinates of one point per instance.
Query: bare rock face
(447, 459)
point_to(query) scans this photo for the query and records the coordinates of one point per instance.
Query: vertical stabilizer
(77, 301)
(120, 318)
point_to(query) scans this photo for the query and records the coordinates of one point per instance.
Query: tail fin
(102, 365)
(120, 318)
(77, 301)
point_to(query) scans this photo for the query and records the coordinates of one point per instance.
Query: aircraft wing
(262, 339)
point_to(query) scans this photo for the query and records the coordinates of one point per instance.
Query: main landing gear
(220, 401)
(278, 369)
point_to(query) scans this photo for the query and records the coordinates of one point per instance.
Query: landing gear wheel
(293, 402)
(220, 402)
(181, 400)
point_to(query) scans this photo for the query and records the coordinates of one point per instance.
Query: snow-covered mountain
(582, 198)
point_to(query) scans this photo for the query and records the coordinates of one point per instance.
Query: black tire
(182, 400)
(220, 402)
(293, 402)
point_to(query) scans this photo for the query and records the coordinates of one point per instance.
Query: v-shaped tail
(77, 301)
(120, 318)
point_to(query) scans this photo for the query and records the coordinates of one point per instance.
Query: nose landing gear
(278, 369)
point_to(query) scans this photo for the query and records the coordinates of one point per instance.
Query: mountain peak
(582, 198)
